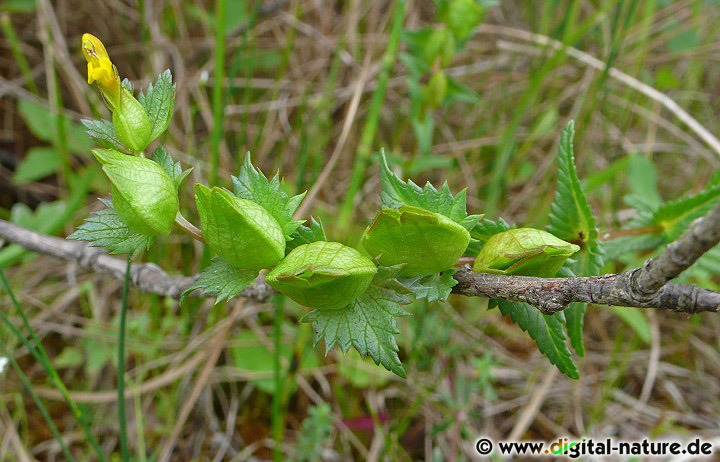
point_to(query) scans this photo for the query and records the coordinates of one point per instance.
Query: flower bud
(129, 117)
(323, 275)
(523, 252)
(427, 242)
(101, 70)
(143, 194)
(241, 232)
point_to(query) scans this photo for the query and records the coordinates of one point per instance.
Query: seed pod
(241, 232)
(323, 275)
(524, 252)
(143, 195)
(425, 241)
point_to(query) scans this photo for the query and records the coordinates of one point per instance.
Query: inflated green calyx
(426, 242)
(240, 231)
(323, 275)
(143, 195)
(131, 122)
(524, 252)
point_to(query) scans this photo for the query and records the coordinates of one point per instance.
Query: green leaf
(103, 131)
(36, 220)
(396, 193)
(38, 163)
(462, 17)
(251, 184)
(575, 321)
(484, 230)
(435, 287)
(636, 319)
(572, 220)
(172, 168)
(306, 235)
(643, 183)
(104, 228)
(570, 216)
(159, 102)
(368, 324)
(546, 330)
(459, 93)
(676, 216)
(42, 123)
(222, 280)
(19, 6)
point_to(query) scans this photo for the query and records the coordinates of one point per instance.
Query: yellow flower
(101, 69)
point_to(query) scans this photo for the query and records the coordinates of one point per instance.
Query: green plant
(414, 241)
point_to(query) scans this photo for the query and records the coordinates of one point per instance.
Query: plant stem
(121, 366)
(188, 228)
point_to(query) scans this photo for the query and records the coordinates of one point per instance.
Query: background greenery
(315, 89)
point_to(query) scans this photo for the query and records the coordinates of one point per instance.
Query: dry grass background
(291, 77)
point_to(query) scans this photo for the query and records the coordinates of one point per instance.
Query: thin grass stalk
(122, 419)
(371, 122)
(218, 105)
(38, 352)
(278, 419)
(16, 49)
(28, 386)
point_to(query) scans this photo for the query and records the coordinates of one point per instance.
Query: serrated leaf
(435, 287)
(572, 220)
(306, 235)
(172, 168)
(574, 317)
(546, 330)
(483, 231)
(103, 131)
(106, 229)
(251, 184)
(570, 216)
(676, 216)
(618, 247)
(368, 325)
(158, 102)
(222, 280)
(396, 193)
(575, 321)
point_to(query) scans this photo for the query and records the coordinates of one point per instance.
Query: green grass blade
(41, 356)
(371, 123)
(121, 366)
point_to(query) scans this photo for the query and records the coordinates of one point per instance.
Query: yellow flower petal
(101, 69)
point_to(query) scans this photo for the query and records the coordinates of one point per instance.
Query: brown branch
(148, 277)
(632, 288)
(550, 295)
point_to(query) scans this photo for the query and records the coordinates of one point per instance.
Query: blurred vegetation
(315, 89)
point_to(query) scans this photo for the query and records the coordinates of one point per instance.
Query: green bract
(524, 252)
(242, 232)
(143, 195)
(131, 122)
(426, 242)
(323, 275)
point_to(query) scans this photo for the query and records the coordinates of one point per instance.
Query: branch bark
(645, 287)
